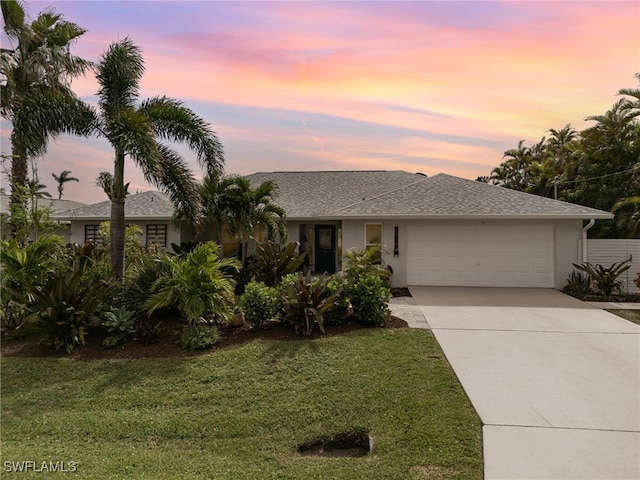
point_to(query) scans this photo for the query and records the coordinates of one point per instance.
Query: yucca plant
(305, 303)
(201, 283)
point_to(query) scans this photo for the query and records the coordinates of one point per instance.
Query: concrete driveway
(556, 382)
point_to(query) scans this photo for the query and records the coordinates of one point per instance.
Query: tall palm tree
(64, 177)
(35, 94)
(136, 129)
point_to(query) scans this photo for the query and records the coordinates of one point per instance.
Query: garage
(481, 255)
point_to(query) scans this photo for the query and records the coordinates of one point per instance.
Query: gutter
(584, 239)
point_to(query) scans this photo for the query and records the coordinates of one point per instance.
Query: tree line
(597, 167)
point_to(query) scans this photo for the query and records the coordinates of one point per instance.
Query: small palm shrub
(65, 306)
(274, 261)
(578, 284)
(364, 262)
(120, 324)
(198, 337)
(605, 280)
(305, 303)
(259, 302)
(370, 297)
(138, 286)
(199, 284)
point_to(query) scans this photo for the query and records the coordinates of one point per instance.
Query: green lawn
(241, 412)
(631, 315)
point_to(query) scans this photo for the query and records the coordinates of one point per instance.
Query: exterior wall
(567, 235)
(173, 232)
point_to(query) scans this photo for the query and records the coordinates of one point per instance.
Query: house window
(261, 234)
(92, 235)
(229, 243)
(373, 237)
(157, 236)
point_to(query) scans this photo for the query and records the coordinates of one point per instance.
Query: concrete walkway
(555, 381)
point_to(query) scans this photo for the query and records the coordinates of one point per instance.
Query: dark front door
(325, 248)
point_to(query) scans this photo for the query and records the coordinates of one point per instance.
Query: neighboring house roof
(396, 194)
(140, 206)
(56, 205)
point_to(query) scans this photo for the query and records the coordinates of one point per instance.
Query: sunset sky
(419, 86)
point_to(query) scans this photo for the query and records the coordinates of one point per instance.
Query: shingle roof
(142, 206)
(380, 194)
(318, 194)
(56, 205)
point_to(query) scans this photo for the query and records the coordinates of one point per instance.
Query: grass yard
(631, 315)
(241, 411)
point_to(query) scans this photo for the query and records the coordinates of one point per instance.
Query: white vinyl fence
(606, 252)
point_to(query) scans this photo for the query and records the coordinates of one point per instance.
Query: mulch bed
(167, 343)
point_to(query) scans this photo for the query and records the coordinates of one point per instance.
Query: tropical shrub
(305, 303)
(259, 302)
(360, 263)
(197, 285)
(605, 280)
(198, 337)
(274, 261)
(370, 297)
(23, 271)
(578, 284)
(65, 306)
(245, 274)
(337, 313)
(120, 324)
(137, 287)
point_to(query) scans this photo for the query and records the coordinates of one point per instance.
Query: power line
(601, 176)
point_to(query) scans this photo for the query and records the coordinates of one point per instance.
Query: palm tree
(136, 130)
(231, 201)
(64, 177)
(35, 95)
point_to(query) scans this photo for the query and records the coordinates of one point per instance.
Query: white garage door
(490, 256)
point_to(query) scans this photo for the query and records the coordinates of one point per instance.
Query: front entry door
(325, 247)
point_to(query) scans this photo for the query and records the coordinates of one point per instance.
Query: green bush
(66, 304)
(370, 299)
(337, 313)
(25, 270)
(199, 284)
(259, 302)
(137, 287)
(305, 303)
(198, 337)
(120, 324)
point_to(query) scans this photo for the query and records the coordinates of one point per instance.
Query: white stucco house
(439, 230)
(152, 211)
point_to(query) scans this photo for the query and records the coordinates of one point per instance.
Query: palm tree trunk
(117, 218)
(18, 182)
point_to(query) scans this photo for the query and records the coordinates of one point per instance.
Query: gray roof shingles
(380, 194)
(142, 206)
